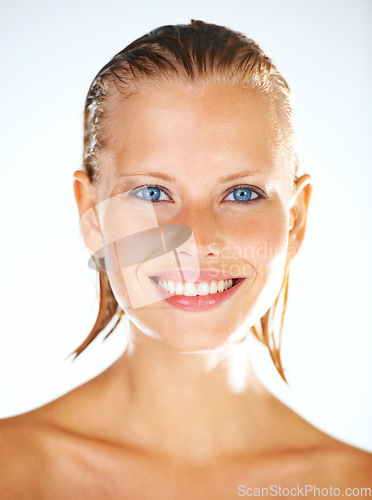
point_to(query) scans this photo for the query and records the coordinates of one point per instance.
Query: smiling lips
(198, 290)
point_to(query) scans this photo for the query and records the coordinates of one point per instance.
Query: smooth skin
(181, 413)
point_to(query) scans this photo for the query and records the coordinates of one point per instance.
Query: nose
(206, 241)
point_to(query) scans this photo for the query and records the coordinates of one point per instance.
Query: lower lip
(198, 302)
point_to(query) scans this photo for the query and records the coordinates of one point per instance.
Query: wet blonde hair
(196, 52)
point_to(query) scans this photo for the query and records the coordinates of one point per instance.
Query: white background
(50, 52)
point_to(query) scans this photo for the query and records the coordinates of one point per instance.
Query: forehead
(188, 127)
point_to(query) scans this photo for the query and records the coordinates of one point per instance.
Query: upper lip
(194, 275)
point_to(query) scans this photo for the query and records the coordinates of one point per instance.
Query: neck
(193, 406)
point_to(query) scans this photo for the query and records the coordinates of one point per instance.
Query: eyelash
(149, 186)
(260, 194)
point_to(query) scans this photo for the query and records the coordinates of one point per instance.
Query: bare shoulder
(43, 448)
(321, 456)
(338, 463)
(21, 452)
(352, 466)
(37, 457)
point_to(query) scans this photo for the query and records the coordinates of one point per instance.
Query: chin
(184, 326)
(185, 333)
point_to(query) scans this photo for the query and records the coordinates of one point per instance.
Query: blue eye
(240, 194)
(151, 193)
(243, 194)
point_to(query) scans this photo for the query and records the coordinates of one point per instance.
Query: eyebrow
(166, 177)
(158, 175)
(238, 175)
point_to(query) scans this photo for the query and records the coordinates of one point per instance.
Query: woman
(192, 208)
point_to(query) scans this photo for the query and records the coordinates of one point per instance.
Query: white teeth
(189, 289)
(171, 287)
(203, 288)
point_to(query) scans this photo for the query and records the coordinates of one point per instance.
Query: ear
(298, 214)
(86, 199)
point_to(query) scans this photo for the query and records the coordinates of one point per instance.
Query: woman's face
(185, 141)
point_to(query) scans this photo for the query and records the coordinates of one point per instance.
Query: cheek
(261, 240)
(118, 220)
(127, 244)
(119, 288)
